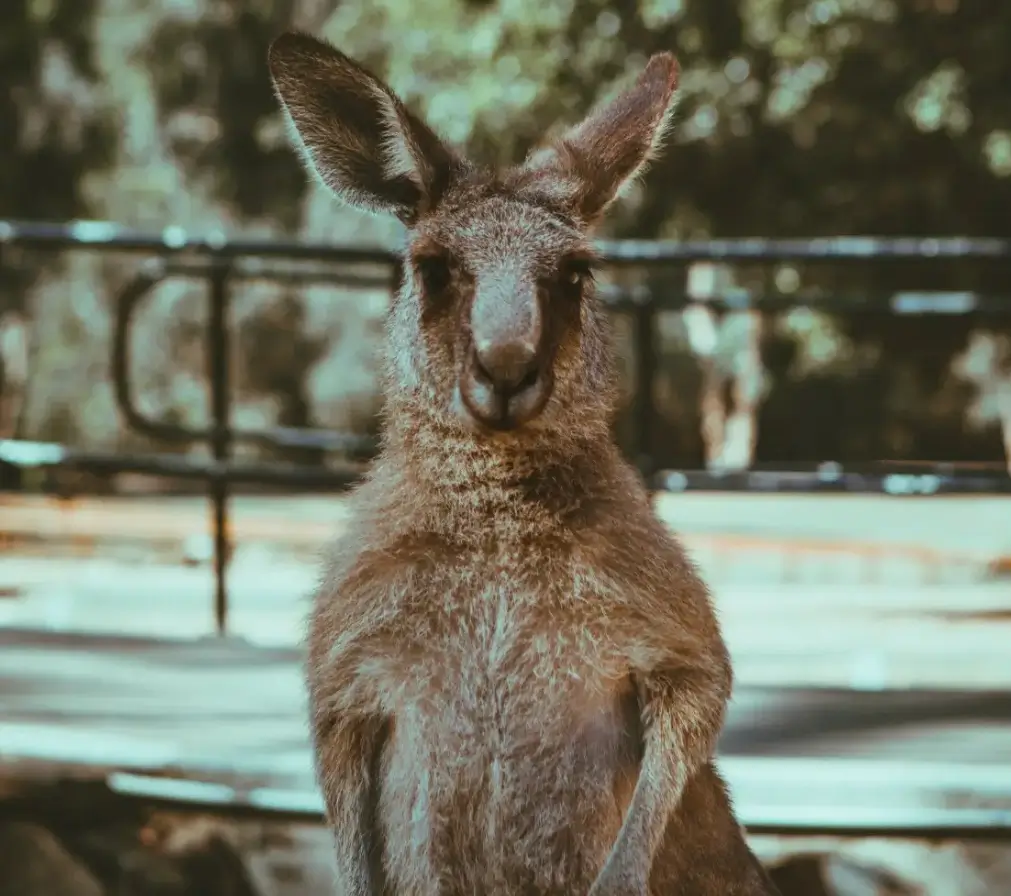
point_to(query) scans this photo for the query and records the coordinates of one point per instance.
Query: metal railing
(222, 262)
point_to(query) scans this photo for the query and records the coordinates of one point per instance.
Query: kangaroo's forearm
(345, 760)
(683, 715)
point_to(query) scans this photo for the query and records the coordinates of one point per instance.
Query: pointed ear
(355, 134)
(590, 163)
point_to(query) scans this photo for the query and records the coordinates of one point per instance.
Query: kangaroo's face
(501, 314)
(496, 329)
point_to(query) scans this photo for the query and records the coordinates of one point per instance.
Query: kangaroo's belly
(507, 784)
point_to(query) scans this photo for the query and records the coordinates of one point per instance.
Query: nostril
(529, 380)
(481, 371)
(509, 367)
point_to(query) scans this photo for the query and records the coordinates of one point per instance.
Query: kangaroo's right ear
(588, 166)
(355, 134)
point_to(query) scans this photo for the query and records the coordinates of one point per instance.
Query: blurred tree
(216, 110)
(798, 117)
(56, 129)
(54, 124)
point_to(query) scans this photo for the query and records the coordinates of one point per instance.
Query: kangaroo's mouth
(504, 409)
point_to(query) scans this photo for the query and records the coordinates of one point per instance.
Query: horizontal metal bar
(840, 248)
(318, 273)
(103, 235)
(621, 298)
(278, 804)
(46, 454)
(351, 444)
(829, 478)
(833, 479)
(107, 235)
(904, 304)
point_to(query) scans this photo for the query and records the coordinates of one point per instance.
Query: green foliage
(216, 110)
(797, 118)
(51, 113)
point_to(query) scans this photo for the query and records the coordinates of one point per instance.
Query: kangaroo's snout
(505, 382)
(509, 366)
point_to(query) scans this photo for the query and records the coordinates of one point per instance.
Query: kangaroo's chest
(503, 648)
(514, 705)
(512, 735)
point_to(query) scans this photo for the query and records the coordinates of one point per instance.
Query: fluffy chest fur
(511, 751)
(512, 721)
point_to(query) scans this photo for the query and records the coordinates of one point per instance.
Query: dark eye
(574, 276)
(435, 273)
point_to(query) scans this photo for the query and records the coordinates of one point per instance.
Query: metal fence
(222, 263)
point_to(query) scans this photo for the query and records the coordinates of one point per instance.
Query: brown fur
(516, 676)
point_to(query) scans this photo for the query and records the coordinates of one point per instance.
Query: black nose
(509, 366)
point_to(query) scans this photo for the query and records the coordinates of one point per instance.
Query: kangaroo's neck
(458, 480)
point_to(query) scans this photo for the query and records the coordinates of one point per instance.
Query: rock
(169, 856)
(34, 863)
(884, 867)
(801, 876)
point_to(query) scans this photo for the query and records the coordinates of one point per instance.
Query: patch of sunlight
(702, 124)
(821, 12)
(41, 11)
(875, 10)
(737, 70)
(819, 342)
(793, 87)
(937, 101)
(997, 149)
(787, 279)
(657, 13)
(608, 24)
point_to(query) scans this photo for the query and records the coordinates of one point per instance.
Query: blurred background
(798, 119)
(828, 117)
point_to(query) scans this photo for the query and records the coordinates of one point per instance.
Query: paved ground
(939, 529)
(228, 709)
(867, 635)
(225, 712)
(868, 593)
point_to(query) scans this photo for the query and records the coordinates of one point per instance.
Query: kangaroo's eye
(435, 273)
(574, 276)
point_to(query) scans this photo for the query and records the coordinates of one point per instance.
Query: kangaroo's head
(496, 336)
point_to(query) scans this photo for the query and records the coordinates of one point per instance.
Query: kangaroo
(516, 676)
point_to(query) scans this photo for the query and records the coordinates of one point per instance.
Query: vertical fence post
(646, 350)
(218, 362)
